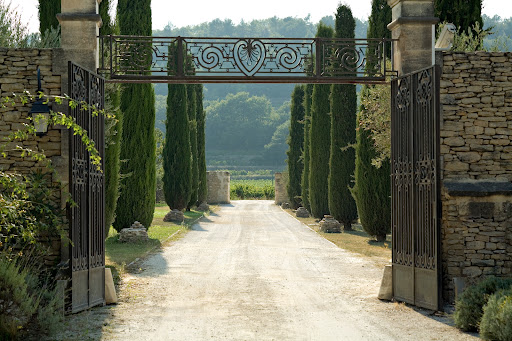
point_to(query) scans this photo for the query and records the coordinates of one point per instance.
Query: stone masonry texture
(18, 73)
(280, 182)
(476, 146)
(218, 187)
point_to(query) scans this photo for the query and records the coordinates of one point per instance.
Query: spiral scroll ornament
(209, 57)
(289, 58)
(138, 56)
(350, 58)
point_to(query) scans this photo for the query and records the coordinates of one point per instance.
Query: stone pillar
(218, 187)
(412, 26)
(280, 182)
(80, 22)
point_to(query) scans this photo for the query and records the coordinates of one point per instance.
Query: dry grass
(356, 241)
(118, 255)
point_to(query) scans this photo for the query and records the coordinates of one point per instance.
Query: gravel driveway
(250, 271)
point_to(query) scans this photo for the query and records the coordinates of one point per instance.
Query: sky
(182, 13)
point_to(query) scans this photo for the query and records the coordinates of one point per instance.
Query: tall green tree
(192, 117)
(138, 147)
(320, 142)
(380, 14)
(201, 145)
(296, 145)
(343, 134)
(372, 189)
(113, 130)
(48, 10)
(463, 14)
(308, 93)
(177, 155)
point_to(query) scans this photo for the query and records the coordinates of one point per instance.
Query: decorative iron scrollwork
(146, 59)
(87, 219)
(414, 191)
(424, 87)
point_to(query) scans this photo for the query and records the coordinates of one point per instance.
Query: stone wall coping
(413, 20)
(79, 17)
(478, 188)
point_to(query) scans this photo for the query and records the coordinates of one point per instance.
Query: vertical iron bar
(71, 180)
(437, 197)
(318, 58)
(111, 57)
(412, 127)
(392, 55)
(180, 56)
(88, 126)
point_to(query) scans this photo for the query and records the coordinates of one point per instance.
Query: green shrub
(469, 305)
(27, 211)
(27, 306)
(496, 321)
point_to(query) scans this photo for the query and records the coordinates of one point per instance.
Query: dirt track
(252, 272)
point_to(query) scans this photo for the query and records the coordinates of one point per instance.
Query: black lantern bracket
(40, 111)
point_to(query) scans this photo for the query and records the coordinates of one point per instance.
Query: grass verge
(356, 241)
(118, 255)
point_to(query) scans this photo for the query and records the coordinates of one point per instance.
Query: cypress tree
(48, 9)
(463, 14)
(137, 199)
(177, 155)
(377, 28)
(201, 143)
(372, 190)
(192, 113)
(296, 143)
(113, 129)
(308, 92)
(343, 134)
(320, 142)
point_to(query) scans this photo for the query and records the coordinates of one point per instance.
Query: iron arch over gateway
(138, 59)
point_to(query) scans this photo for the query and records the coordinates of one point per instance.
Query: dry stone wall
(476, 132)
(18, 73)
(218, 187)
(476, 166)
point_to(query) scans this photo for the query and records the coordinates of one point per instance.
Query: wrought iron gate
(415, 190)
(87, 187)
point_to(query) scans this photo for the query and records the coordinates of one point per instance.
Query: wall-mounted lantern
(40, 111)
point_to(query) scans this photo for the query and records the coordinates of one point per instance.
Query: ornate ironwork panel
(242, 60)
(87, 187)
(415, 194)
